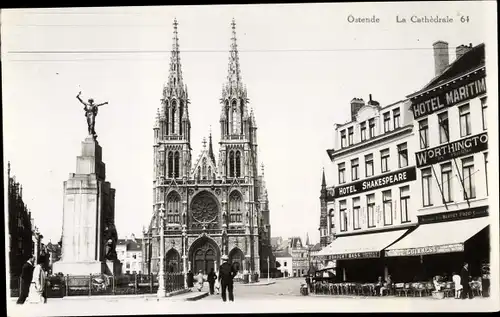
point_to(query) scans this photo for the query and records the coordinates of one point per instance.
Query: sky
(302, 64)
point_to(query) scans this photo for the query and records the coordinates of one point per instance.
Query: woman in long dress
(37, 287)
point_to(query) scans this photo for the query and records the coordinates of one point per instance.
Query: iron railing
(95, 285)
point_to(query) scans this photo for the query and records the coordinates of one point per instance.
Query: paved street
(280, 297)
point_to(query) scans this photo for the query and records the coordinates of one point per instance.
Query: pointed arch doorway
(204, 255)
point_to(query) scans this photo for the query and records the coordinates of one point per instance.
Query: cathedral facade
(207, 206)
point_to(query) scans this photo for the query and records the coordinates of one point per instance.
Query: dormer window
(396, 115)
(387, 121)
(343, 139)
(371, 124)
(362, 128)
(351, 136)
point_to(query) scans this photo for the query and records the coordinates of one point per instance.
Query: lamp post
(184, 250)
(161, 275)
(268, 268)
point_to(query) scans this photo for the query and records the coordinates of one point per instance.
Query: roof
(316, 247)
(130, 244)
(275, 241)
(474, 58)
(282, 254)
(296, 242)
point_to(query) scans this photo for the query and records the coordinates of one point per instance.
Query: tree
(278, 264)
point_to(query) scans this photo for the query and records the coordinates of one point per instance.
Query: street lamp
(161, 276)
(268, 268)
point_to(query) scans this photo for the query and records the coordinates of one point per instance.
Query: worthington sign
(470, 145)
(398, 177)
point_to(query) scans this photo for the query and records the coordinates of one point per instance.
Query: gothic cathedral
(210, 207)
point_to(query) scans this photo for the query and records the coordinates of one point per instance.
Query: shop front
(442, 243)
(358, 257)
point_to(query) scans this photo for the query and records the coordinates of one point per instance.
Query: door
(204, 260)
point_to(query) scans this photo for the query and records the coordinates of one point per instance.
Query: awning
(360, 246)
(441, 237)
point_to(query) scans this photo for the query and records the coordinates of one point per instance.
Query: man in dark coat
(464, 280)
(212, 277)
(226, 275)
(190, 279)
(26, 277)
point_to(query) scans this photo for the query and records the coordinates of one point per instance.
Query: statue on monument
(90, 112)
(111, 237)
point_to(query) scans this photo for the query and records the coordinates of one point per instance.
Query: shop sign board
(381, 181)
(448, 248)
(466, 146)
(454, 215)
(354, 255)
(450, 96)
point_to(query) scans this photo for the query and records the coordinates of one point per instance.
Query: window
(468, 175)
(351, 135)
(355, 213)
(368, 165)
(354, 169)
(387, 121)
(484, 112)
(341, 173)
(426, 186)
(362, 127)
(423, 131)
(396, 115)
(446, 182)
(343, 215)
(370, 210)
(343, 139)
(443, 127)
(387, 201)
(465, 128)
(486, 170)
(403, 155)
(404, 196)
(384, 160)
(284, 264)
(371, 124)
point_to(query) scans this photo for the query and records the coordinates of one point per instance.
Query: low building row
(409, 191)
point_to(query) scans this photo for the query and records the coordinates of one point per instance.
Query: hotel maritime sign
(397, 177)
(474, 87)
(472, 144)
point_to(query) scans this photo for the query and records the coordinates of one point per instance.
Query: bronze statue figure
(90, 112)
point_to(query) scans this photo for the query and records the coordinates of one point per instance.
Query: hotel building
(451, 133)
(374, 177)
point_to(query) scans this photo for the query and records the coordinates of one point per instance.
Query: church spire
(234, 75)
(323, 181)
(175, 71)
(210, 149)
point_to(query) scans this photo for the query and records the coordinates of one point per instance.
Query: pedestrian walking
(464, 279)
(26, 277)
(199, 280)
(226, 275)
(37, 287)
(212, 277)
(190, 279)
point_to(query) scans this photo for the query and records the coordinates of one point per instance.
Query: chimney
(462, 50)
(356, 104)
(373, 102)
(441, 57)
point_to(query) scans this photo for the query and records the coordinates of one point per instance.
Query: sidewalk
(260, 283)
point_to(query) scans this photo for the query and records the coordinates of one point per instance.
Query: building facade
(284, 258)
(129, 252)
(373, 178)
(451, 121)
(24, 237)
(209, 207)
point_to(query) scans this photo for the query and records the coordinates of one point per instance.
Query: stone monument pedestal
(89, 234)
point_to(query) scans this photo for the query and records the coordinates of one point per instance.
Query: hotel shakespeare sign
(397, 177)
(466, 146)
(447, 98)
